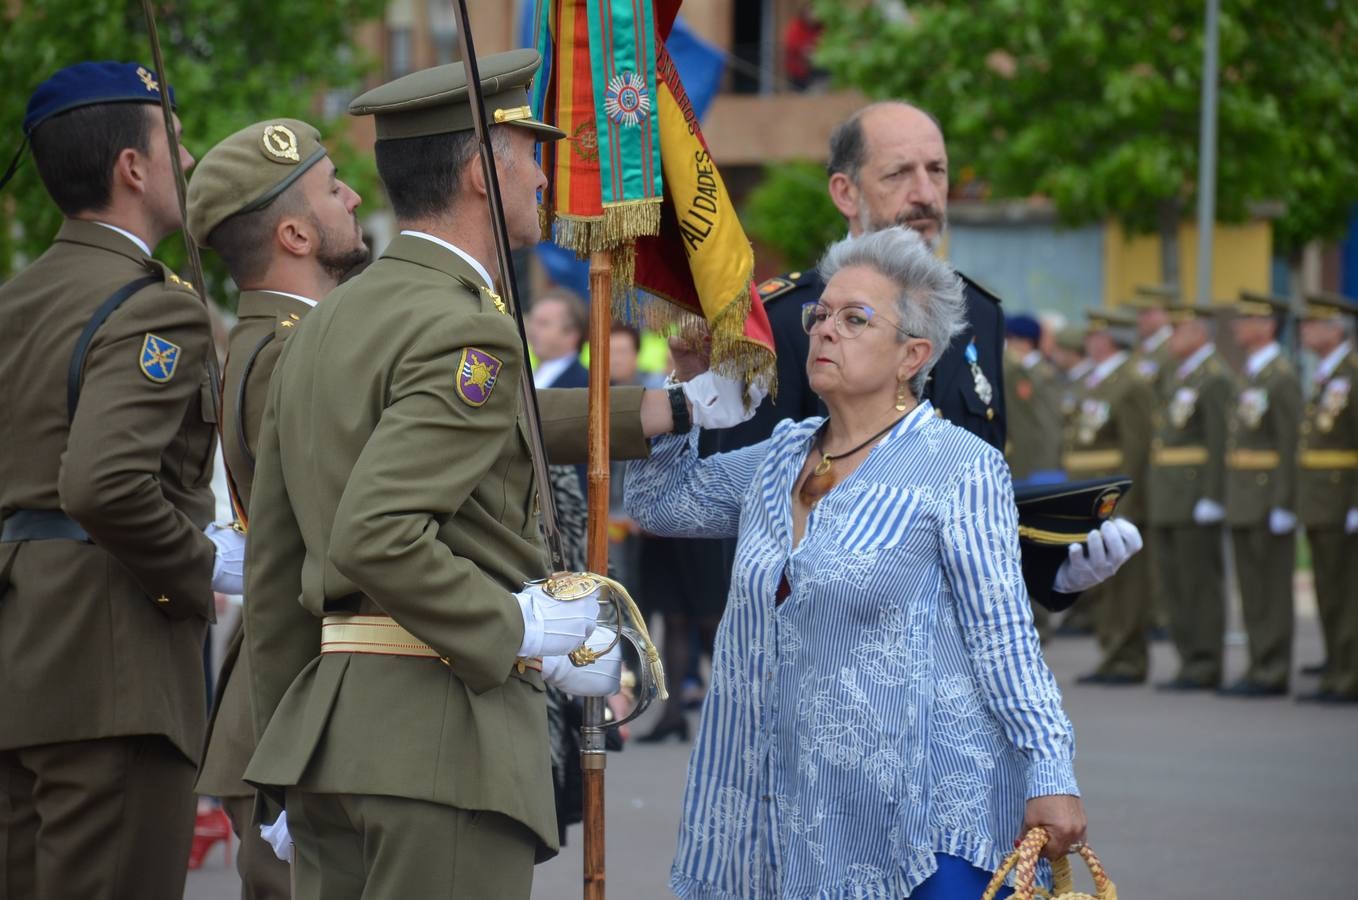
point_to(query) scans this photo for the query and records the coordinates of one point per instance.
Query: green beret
(248, 171)
(435, 101)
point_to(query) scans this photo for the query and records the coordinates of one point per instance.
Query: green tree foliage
(791, 212)
(231, 63)
(1095, 103)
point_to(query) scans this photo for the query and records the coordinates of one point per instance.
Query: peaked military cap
(1072, 337)
(1063, 514)
(248, 170)
(1328, 305)
(89, 84)
(436, 101)
(1108, 319)
(1153, 296)
(1187, 312)
(1257, 303)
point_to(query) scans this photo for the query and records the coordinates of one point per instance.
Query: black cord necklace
(822, 477)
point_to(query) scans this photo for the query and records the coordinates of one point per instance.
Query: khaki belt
(1179, 456)
(1329, 459)
(1253, 459)
(1082, 460)
(382, 636)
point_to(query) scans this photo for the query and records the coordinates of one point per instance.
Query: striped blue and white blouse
(896, 705)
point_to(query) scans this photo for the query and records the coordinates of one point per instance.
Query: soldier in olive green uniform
(394, 515)
(267, 200)
(1152, 356)
(1261, 494)
(1327, 489)
(1032, 395)
(1188, 496)
(1109, 435)
(106, 575)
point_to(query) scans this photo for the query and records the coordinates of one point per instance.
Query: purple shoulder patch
(477, 372)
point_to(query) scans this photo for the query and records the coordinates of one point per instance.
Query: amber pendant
(818, 483)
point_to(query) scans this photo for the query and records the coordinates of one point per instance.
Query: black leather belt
(41, 525)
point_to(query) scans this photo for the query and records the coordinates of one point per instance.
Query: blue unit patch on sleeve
(159, 358)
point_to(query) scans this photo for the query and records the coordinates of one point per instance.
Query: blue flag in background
(701, 67)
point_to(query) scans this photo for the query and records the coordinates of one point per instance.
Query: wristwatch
(683, 422)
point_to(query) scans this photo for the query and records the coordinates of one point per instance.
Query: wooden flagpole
(593, 755)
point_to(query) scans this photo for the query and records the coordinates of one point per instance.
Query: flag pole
(593, 754)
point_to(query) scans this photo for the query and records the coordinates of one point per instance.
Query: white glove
(1208, 512)
(228, 569)
(1351, 521)
(1107, 548)
(555, 627)
(1280, 521)
(601, 678)
(718, 401)
(278, 838)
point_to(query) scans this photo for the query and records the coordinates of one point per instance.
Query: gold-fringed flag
(634, 176)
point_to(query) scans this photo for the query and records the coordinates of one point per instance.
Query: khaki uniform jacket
(1327, 479)
(1157, 367)
(388, 481)
(1109, 434)
(1032, 397)
(105, 639)
(1188, 455)
(1261, 457)
(265, 321)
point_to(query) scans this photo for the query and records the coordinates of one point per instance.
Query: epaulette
(777, 286)
(285, 324)
(981, 289)
(171, 278)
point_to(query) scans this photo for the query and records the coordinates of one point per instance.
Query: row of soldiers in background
(1214, 451)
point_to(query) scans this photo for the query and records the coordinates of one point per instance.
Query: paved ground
(1189, 797)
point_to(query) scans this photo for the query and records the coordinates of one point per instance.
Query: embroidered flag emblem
(159, 358)
(477, 372)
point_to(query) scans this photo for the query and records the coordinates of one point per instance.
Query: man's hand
(1105, 550)
(278, 837)
(554, 627)
(1281, 521)
(720, 402)
(692, 354)
(1208, 512)
(1064, 818)
(601, 678)
(228, 569)
(1351, 521)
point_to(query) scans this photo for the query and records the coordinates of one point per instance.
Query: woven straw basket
(1023, 862)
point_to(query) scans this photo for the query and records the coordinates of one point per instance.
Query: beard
(341, 256)
(868, 223)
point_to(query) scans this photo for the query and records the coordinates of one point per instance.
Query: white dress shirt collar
(547, 372)
(1106, 368)
(1260, 358)
(141, 245)
(1190, 365)
(1326, 366)
(298, 297)
(1031, 358)
(480, 269)
(1152, 343)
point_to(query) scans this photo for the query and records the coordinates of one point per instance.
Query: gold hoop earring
(902, 397)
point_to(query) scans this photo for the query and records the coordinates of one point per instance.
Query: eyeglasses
(850, 321)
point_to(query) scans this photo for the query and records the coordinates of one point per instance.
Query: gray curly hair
(930, 303)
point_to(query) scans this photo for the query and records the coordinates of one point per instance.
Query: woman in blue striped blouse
(880, 722)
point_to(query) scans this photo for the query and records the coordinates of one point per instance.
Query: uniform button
(1192, 475)
(162, 599)
(1334, 478)
(1261, 479)
(989, 413)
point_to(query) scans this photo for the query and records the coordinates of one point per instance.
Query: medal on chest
(1333, 399)
(1251, 406)
(978, 379)
(1093, 416)
(1147, 368)
(1181, 406)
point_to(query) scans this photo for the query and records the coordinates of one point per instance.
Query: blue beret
(90, 83)
(1023, 326)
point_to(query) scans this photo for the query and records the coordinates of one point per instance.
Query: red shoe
(209, 828)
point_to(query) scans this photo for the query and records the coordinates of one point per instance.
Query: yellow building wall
(1241, 260)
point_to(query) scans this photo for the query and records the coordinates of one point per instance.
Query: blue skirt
(956, 879)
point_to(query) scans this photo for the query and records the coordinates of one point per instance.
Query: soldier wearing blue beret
(106, 574)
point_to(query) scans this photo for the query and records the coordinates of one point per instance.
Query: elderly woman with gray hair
(880, 722)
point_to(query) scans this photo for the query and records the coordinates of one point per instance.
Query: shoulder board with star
(285, 324)
(170, 277)
(980, 288)
(778, 285)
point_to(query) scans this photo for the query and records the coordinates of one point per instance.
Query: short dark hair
(422, 174)
(245, 241)
(577, 314)
(75, 151)
(848, 145)
(631, 331)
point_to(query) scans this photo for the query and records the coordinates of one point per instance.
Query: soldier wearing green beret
(269, 201)
(1261, 499)
(397, 660)
(1108, 435)
(1327, 489)
(1188, 496)
(106, 574)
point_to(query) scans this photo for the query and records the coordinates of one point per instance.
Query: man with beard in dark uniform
(889, 166)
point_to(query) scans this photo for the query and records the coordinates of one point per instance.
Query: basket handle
(1023, 862)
